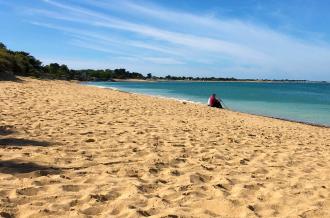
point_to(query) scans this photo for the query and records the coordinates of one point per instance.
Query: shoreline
(201, 104)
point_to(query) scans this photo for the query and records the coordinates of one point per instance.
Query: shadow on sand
(22, 142)
(19, 167)
(6, 130)
(10, 141)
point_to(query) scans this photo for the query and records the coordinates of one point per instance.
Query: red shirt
(212, 100)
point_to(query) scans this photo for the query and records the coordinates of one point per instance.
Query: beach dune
(68, 150)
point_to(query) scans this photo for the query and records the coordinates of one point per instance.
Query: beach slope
(68, 150)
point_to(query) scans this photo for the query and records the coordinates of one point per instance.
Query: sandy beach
(69, 150)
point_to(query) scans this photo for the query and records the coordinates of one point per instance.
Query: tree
(23, 64)
(121, 73)
(26, 65)
(54, 69)
(136, 75)
(2, 46)
(7, 63)
(149, 76)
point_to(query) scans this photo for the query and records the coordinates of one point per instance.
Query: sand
(68, 150)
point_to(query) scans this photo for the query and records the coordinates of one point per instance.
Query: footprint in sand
(143, 213)
(90, 140)
(244, 161)
(208, 167)
(177, 161)
(161, 165)
(40, 173)
(175, 173)
(158, 166)
(92, 211)
(71, 188)
(178, 145)
(102, 198)
(86, 133)
(30, 191)
(5, 215)
(170, 216)
(148, 188)
(153, 170)
(199, 178)
(185, 188)
(161, 181)
(223, 187)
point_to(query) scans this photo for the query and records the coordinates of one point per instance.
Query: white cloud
(193, 41)
(176, 37)
(162, 60)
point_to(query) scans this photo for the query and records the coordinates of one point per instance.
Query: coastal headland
(69, 150)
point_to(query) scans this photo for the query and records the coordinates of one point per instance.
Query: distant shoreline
(198, 103)
(211, 81)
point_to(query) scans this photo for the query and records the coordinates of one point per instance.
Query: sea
(307, 102)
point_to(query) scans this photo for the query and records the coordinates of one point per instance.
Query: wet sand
(68, 150)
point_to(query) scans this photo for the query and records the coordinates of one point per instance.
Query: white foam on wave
(102, 87)
(181, 100)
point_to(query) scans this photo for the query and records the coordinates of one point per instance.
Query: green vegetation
(19, 63)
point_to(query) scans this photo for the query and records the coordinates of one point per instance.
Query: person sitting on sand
(214, 102)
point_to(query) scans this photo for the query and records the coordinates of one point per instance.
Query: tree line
(20, 63)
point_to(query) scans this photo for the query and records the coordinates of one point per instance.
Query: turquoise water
(306, 102)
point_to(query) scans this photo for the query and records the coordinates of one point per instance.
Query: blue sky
(223, 38)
